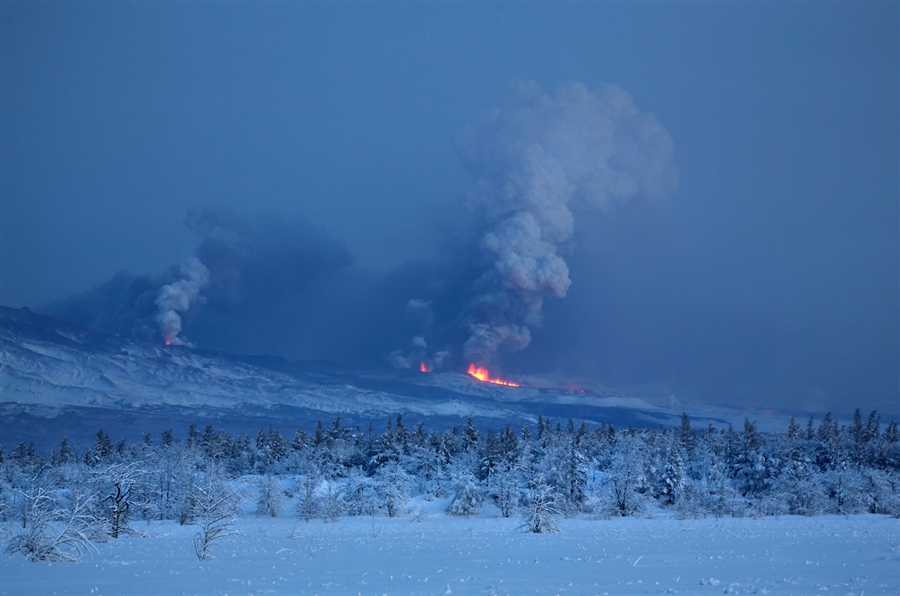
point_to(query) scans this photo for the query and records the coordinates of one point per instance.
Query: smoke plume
(278, 285)
(177, 297)
(533, 161)
(254, 271)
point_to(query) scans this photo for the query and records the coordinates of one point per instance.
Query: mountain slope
(57, 379)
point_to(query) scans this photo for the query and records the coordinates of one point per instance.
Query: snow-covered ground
(432, 553)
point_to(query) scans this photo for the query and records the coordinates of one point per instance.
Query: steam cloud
(177, 297)
(534, 160)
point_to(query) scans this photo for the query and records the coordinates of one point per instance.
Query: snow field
(428, 552)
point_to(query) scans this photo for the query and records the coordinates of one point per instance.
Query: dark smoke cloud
(244, 264)
(262, 257)
(124, 305)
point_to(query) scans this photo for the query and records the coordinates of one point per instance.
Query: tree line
(58, 505)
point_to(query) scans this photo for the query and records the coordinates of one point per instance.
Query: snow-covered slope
(59, 379)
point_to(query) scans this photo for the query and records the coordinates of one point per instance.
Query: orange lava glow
(424, 367)
(168, 341)
(482, 374)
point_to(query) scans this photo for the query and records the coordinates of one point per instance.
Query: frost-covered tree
(467, 497)
(120, 489)
(541, 512)
(170, 478)
(798, 490)
(623, 491)
(332, 501)
(308, 502)
(505, 488)
(271, 497)
(217, 507)
(394, 483)
(57, 525)
(846, 491)
(360, 494)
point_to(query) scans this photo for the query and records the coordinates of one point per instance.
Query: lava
(482, 374)
(424, 367)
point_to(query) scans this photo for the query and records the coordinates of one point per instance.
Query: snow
(428, 552)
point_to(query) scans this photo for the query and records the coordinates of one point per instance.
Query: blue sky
(768, 278)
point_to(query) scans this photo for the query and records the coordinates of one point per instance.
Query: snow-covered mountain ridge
(53, 374)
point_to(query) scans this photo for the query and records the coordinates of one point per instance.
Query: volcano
(61, 380)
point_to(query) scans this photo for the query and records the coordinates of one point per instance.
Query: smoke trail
(533, 160)
(421, 314)
(178, 296)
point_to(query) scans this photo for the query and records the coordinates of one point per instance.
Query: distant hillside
(58, 379)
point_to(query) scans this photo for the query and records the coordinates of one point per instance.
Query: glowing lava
(424, 367)
(482, 374)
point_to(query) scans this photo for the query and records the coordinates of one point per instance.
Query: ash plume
(280, 285)
(534, 160)
(254, 272)
(177, 297)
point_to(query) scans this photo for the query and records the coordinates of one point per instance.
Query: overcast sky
(341, 160)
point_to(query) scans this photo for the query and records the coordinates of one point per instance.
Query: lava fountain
(482, 374)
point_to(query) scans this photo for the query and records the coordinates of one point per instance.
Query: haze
(704, 197)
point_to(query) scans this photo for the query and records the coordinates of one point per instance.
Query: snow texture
(483, 555)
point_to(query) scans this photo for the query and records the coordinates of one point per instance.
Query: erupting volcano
(424, 367)
(482, 374)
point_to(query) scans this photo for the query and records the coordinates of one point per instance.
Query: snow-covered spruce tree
(671, 480)
(831, 446)
(271, 497)
(102, 450)
(426, 467)
(576, 479)
(753, 468)
(63, 453)
(271, 449)
(540, 513)
(564, 467)
(491, 456)
(217, 506)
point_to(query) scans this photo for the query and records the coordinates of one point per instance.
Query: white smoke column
(532, 159)
(177, 297)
